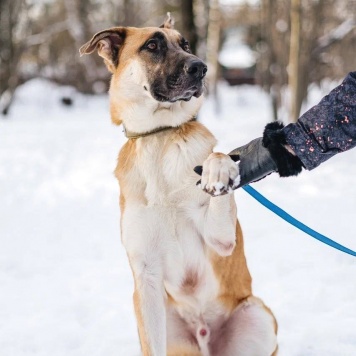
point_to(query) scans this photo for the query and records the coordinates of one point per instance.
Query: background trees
(295, 42)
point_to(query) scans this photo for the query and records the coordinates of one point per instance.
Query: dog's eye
(186, 47)
(152, 45)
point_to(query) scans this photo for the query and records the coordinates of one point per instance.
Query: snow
(239, 56)
(235, 53)
(66, 286)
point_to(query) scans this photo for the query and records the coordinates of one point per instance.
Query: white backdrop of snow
(235, 53)
(65, 282)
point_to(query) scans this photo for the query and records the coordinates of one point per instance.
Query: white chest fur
(162, 227)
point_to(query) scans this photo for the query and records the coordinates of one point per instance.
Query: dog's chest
(166, 170)
(188, 274)
(163, 175)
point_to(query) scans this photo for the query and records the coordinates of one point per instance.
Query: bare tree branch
(335, 35)
(43, 37)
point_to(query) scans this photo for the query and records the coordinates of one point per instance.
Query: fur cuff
(274, 140)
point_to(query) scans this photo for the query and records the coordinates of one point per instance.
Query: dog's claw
(198, 170)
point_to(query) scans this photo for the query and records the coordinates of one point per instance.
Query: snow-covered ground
(65, 284)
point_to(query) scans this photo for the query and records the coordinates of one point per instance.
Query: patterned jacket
(327, 128)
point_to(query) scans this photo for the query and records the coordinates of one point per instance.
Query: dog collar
(134, 135)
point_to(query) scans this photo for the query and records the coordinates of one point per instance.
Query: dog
(192, 292)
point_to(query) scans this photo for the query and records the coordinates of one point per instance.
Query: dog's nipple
(203, 332)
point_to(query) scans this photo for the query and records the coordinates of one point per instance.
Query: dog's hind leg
(180, 340)
(183, 350)
(251, 330)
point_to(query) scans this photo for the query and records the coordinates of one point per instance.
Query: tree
(294, 61)
(213, 46)
(12, 26)
(188, 24)
(306, 37)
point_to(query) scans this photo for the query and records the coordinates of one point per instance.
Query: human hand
(259, 158)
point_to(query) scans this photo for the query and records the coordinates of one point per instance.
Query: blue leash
(284, 215)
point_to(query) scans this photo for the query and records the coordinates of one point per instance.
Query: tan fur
(185, 350)
(150, 189)
(189, 131)
(134, 38)
(234, 287)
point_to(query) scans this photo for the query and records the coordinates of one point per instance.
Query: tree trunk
(201, 11)
(269, 60)
(213, 44)
(77, 15)
(10, 54)
(188, 25)
(294, 70)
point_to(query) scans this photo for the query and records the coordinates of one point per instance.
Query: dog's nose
(196, 69)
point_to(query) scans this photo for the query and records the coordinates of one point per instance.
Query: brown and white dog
(192, 285)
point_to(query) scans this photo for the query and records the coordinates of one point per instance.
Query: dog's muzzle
(183, 84)
(196, 69)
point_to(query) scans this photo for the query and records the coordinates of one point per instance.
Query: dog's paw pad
(220, 175)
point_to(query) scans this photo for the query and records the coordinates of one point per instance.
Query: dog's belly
(189, 278)
(166, 222)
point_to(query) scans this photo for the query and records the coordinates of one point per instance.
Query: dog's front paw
(220, 174)
(222, 247)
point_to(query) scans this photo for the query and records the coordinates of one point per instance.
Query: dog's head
(152, 64)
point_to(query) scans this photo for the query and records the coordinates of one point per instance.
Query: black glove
(255, 161)
(265, 155)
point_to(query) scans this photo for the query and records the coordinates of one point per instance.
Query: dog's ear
(108, 43)
(168, 22)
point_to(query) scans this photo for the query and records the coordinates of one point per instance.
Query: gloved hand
(255, 161)
(263, 156)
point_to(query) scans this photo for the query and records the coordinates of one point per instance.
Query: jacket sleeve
(327, 128)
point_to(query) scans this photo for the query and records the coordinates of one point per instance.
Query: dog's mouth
(175, 95)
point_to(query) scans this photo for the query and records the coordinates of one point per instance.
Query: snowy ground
(65, 284)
